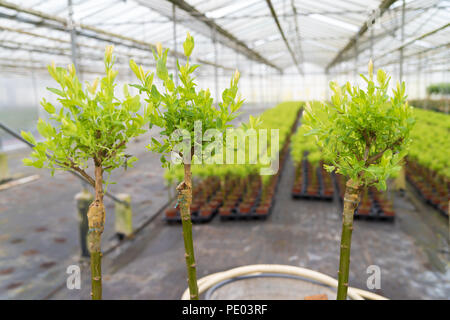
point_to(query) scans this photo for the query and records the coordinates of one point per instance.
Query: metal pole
(216, 75)
(402, 39)
(174, 19)
(355, 70)
(419, 72)
(371, 43)
(252, 85)
(73, 35)
(261, 84)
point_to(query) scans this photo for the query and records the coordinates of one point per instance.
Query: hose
(207, 282)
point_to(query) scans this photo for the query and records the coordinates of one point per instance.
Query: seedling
(364, 134)
(91, 125)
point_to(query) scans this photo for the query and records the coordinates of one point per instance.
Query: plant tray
(304, 194)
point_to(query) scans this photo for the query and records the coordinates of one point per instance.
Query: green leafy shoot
(91, 123)
(179, 107)
(364, 134)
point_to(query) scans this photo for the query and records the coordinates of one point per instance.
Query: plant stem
(184, 199)
(351, 200)
(96, 219)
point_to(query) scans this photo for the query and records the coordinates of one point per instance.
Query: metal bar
(297, 32)
(73, 35)
(371, 43)
(19, 137)
(404, 45)
(402, 36)
(277, 22)
(355, 70)
(285, 15)
(384, 6)
(422, 36)
(216, 79)
(174, 26)
(240, 46)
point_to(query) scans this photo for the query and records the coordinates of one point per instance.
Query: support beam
(409, 42)
(277, 22)
(216, 75)
(226, 37)
(297, 32)
(402, 37)
(384, 6)
(73, 35)
(174, 19)
(61, 24)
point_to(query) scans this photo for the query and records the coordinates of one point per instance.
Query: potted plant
(365, 134)
(92, 126)
(177, 109)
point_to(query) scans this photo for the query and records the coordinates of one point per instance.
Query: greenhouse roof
(281, 35)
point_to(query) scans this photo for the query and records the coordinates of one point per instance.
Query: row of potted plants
(428, 164)
(433, 188)
(239, 191)
(311, 181)
(438, 105)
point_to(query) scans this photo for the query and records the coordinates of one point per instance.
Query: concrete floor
(412, 252)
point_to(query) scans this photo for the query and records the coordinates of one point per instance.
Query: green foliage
(179, 107)
(438, 88)
(430, 141)
(302, 143)
(363, 133)
(90, 124)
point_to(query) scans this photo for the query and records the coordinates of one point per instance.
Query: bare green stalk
(184, 200)
(96, 219)
(351, 200)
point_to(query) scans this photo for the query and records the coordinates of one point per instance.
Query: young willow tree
(364, 134)
(179, 110)
(91, 125)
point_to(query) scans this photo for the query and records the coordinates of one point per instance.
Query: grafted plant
(177, 109)
(91, 126)
(364, 134)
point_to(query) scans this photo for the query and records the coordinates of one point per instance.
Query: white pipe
(207, 282)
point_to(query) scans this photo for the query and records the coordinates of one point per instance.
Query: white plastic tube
(207, 282)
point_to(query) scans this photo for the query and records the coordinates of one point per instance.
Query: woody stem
(184, 200)
(351, 200)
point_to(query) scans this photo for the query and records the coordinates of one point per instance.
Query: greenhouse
(224, 150)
